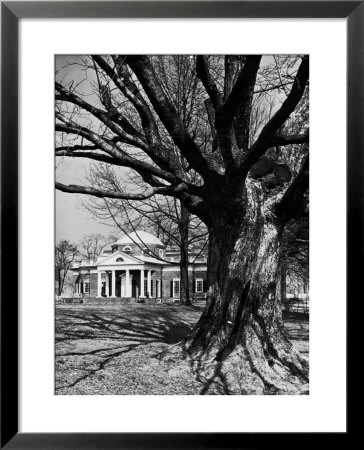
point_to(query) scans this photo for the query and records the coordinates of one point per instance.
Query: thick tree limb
(238, 107)
(76, 189)
(179, 191)
(130, 91)
(269, 131)
(89, 155)
(293, 203)
(71, 148)
(100, 193)
(202, 70)
(290, 139)
(242, 92)
(211, 117)
(231, 69)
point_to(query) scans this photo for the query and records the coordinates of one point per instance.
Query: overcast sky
(73, 221)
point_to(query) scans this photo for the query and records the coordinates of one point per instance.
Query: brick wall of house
(167, 280)
(165, 277)
(169, 276)
(93, 284)
(92, 278)
(75, 275)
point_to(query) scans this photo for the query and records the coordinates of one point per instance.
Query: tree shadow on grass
(217, 379)
(93, 328)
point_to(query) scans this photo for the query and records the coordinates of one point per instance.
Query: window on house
(176, 287)
(160, 253)
(119, 260)
(199, 285)
(86, 287)
(127, 249)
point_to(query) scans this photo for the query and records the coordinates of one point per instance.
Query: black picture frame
(11, 12)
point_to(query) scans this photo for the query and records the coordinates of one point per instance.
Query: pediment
(119, 258)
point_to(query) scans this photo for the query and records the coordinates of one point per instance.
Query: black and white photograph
(182, 224)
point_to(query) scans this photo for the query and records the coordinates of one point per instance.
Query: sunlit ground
(114, 350)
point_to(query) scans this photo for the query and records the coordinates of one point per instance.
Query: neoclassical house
(136, 266)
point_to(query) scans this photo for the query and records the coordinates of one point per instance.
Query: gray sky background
(73, 221)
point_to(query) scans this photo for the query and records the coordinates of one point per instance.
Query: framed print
(179, 255)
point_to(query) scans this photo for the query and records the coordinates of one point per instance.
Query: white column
(107, 287)
(149, 283)
(113, 284)
(142, 294)
(127, 282)
(99, 284)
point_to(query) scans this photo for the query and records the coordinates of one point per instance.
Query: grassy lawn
(114, 350)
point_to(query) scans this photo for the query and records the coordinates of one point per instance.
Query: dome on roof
(139, 237)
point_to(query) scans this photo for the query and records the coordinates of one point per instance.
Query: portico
(124, 282)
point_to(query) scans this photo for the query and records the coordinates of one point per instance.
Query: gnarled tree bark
(183, 264)
(240, 335)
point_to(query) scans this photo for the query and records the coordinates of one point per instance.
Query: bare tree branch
(269, 131)
(145, 73)
(134, 140)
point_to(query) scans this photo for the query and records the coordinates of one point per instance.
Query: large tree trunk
(283, 284)
(183, 225)
(239, 341)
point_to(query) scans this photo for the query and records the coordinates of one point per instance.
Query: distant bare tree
(92, 244)
(65, 254)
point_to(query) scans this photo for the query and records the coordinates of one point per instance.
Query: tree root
(260, 363)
